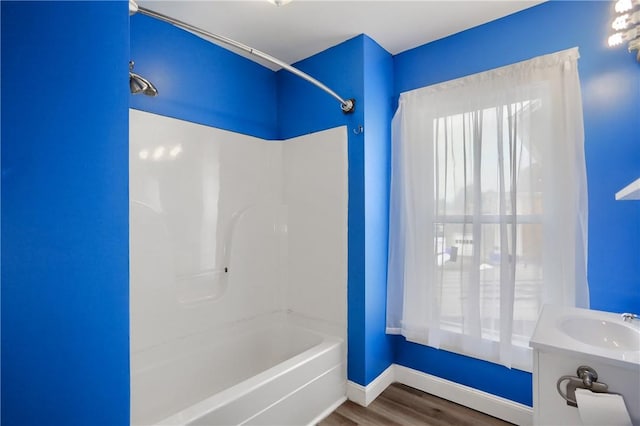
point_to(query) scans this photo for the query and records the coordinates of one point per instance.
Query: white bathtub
(261, 372)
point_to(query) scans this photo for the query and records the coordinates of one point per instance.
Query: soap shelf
(630, 192)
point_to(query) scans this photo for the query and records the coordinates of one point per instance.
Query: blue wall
(65, 307)
(610, 80)
(378, 90)
(303, 108)
(201, 82)
(64, 179)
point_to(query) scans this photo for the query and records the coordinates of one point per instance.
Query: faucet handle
(629, 317)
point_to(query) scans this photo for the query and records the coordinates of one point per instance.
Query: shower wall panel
(315, 191)
(205, 240)
(226, 229)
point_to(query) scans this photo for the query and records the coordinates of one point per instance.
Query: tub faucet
(627, 317)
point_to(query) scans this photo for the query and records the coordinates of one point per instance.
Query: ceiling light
(627, 15)
(619, 38)
(623, 21)
(615, 39)
(279, 2)
(623, 5)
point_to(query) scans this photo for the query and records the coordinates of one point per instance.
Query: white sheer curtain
(488, 217)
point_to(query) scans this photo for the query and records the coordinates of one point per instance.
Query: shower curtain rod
(347, 105)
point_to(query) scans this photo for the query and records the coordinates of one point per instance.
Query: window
(471, 208)
(488, 208)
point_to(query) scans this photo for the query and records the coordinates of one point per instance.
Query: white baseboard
(484, 402)
(364, 396)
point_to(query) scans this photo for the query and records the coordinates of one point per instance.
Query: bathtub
(267, 371)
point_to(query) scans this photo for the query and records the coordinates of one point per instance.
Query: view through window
(488, 190)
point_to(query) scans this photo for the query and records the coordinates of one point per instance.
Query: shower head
(139, 84)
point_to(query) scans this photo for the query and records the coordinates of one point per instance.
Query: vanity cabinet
(549, 408)
(558, 354)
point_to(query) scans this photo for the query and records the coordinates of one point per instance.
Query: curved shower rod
(347, 105)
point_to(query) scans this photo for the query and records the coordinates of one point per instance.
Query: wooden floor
(403, 405)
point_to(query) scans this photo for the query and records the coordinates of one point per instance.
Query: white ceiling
(305, 27)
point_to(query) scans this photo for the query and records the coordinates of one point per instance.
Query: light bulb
(615, 39)
(619, 38)
(623, 6)
(621, 22)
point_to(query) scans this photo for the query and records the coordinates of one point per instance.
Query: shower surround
(238, 275)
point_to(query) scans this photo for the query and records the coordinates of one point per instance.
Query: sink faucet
(629, 317)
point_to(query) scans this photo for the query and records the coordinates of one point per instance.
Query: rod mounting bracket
(349, 106)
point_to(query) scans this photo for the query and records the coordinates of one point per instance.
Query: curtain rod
(347, 105)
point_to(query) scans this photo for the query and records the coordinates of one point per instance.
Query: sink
(588, 333)
(567, 339)
(602, 333)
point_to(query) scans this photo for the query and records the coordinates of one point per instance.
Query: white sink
(566, 338)
(599, 334)
(602, 333)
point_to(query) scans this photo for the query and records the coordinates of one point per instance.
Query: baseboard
(484, 402)
(364, 396)
(478, 400)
